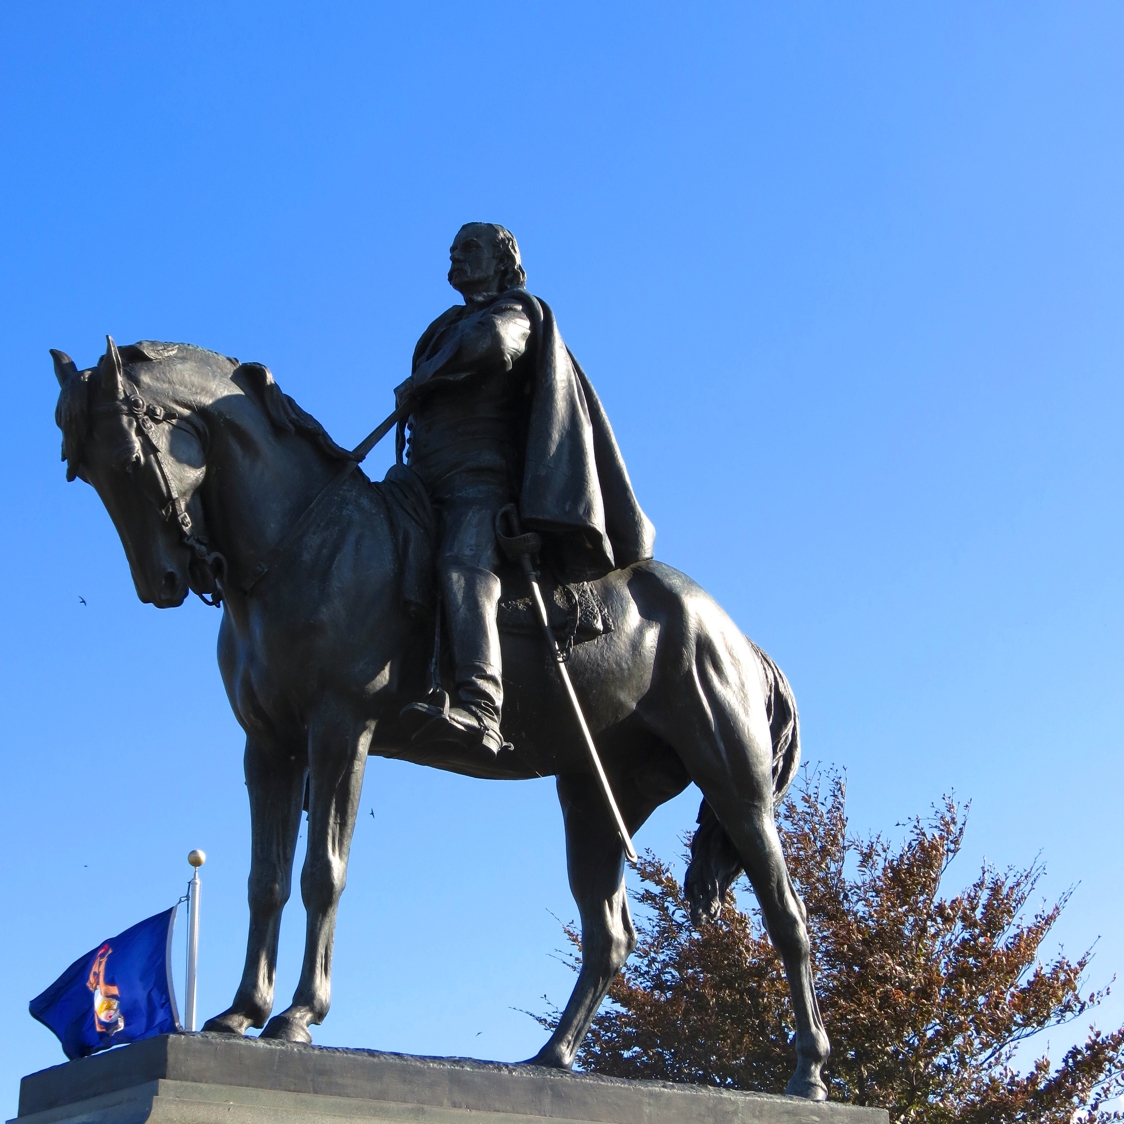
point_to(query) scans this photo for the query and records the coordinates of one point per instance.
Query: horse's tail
(715, 862)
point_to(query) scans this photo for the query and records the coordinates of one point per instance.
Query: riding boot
(470, 595)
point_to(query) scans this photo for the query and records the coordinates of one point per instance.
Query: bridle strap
(146, 417)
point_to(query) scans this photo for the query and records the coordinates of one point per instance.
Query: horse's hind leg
(751, 826)
(727, 749)
(595, 863)
(275, 781)
(709, 703)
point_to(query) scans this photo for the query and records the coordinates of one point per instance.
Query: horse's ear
(64, 366)
(112, 373)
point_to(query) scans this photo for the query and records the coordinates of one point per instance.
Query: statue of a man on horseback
(500, 412)
(219, 483)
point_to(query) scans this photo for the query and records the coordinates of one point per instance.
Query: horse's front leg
(595, 860)
(337, 755)
(275, 781)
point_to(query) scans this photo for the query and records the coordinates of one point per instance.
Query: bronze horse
(205, 467)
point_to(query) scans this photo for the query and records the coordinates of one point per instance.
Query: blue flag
(118, 992)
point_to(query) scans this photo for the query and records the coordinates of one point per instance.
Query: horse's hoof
(283, 1029)
(229, 1022)
(549, 1059)
(807, 1086)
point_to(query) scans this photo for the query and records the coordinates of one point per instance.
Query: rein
(145, 418)
(320, 500)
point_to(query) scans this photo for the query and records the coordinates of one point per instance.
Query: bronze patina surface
(206, 467)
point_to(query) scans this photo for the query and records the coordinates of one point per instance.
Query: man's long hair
(512, 275)
(511, 272)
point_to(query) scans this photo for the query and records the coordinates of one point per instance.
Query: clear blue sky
(849, 279)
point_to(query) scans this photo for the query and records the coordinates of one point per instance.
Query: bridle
(146, 416)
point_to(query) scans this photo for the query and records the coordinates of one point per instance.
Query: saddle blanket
(576, 612)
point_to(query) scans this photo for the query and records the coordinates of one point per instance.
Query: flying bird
(82, 599)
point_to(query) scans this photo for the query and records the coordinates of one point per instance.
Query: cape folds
(576, 490)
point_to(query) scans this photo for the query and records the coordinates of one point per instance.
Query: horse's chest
(266, 699)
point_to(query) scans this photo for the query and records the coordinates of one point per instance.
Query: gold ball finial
(197, 858)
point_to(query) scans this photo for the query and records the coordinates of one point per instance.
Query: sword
(523, 547)
(378, 433)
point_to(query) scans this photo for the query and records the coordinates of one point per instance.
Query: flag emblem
(107, 996)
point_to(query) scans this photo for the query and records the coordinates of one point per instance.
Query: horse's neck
(259, 480)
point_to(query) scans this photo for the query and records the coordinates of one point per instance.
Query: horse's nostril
(170, 585)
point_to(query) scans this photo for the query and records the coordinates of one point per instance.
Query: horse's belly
(611, 674)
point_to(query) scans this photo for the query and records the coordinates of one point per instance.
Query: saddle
(577, 614)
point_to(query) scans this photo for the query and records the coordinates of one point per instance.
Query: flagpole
(197, 859)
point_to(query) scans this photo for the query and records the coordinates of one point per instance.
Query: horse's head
(145, 458)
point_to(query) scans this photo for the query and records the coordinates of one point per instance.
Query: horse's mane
(72, 414)
(285, 414)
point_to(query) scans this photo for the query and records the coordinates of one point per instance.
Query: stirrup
(458, 725)
(418, 715)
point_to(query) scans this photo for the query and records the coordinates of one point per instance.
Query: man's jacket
(575, 487)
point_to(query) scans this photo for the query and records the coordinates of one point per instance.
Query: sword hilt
(518, 545)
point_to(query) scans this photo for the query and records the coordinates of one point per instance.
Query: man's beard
(459, 276)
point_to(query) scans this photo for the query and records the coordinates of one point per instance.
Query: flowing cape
(576, 491)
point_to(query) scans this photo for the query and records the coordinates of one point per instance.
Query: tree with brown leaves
(927, 998)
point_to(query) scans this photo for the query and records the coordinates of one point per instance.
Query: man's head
(485, 261)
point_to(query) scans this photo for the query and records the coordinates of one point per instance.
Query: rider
(499, 413)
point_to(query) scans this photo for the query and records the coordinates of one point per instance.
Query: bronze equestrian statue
(333, 645)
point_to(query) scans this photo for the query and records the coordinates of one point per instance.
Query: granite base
(216, 1079)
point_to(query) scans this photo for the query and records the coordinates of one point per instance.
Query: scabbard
(594, 757)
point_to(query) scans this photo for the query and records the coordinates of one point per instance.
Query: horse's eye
(133, 463)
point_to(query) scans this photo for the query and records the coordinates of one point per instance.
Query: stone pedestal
(208, 1079)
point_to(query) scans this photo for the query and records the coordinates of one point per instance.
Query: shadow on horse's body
(193, 455)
